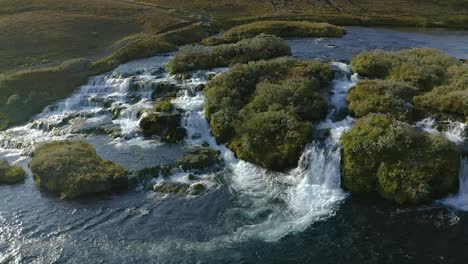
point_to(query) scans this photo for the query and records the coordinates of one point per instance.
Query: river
(248, 214)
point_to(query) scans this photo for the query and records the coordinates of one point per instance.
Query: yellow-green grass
(451, 13)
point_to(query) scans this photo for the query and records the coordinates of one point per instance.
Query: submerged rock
(73, 169)
(11, 174)
(166, 127)
(199, 159)
(392, 159)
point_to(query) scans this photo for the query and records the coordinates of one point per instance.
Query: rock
(116, 111)
(11, 174)
(163, 105)
(166, 127)
(71, 169)
(191, 177)
(395, 161)
(199, 159)
(196, 189)
(171, 187)
(164, 90)
(158, 72)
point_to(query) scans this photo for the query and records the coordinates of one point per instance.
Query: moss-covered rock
(196, 189)
(73, 169)
(263, 110)
(171, 187)
(199, 57)
(392, 159)
(11, 174)
(167, 127)
(164, 90)
(199, 159)
(283, 29)
(380, 96)
(163, 105)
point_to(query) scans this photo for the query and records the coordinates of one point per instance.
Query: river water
(248, 215)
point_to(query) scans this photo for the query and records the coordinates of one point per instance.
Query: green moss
(201, 57)
(379, 96)
(73, 169)
(163, 105)
(11, 174)
(263, 110)
(283, 29)
(389, 158)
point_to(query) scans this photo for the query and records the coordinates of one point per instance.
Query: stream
(248, 214)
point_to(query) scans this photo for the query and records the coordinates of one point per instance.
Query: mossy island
(198, 57)
(264, 110)
(72, 169)
(440, 81)
(283, 29)
(391, 159)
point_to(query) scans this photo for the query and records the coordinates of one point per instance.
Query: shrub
(73, 169)
(11, 174)
(394, 160)
(284, 29)
(379, 96)
(201, 57)
(263, 110)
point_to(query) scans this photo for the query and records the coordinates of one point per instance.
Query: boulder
(171, 187)
(166, 127)
(199, 159)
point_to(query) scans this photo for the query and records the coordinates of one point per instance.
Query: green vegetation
(163, 105)
(379, 96)
(166, 126)
(11, 174)
(423, 68)
(451, 97)
(199, 159)
(73, 169)
(199, 57)
(263, 110)
(172, 187)
(283, 29)
(392, 159)
(440, 83)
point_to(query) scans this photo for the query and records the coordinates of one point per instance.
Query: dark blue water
(142, 227)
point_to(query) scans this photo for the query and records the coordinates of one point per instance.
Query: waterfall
(292, 201)
(460, 200)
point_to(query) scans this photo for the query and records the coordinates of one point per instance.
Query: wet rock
(11, 174)
(158, 72)
(71, 169)
(116, 111)
(164, 90)
(196, 189)
(199, 159)
(163, 105)
(166, 127)
(133, 98)
(171, 187)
